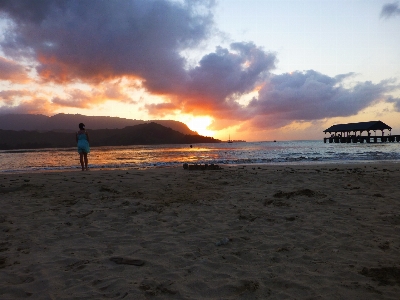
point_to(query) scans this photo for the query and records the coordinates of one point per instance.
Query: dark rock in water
(185, 166)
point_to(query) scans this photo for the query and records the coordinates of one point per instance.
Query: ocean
(156, 156)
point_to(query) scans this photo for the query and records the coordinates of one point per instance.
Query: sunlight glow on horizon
(200, 124)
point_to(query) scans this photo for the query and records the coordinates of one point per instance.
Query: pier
(352, 133)
(363, 139)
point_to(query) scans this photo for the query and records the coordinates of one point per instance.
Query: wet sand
(244, 232)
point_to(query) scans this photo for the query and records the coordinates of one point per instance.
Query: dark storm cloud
(95, 40)
(32, 11)
(307, 96)
(390, 10)
(220, 78)
(225, 75)
(104, 39)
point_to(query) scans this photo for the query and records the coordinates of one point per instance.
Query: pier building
(361, 132)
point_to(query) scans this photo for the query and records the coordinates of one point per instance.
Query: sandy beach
(243, 232)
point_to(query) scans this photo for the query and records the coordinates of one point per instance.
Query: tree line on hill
(142, 134)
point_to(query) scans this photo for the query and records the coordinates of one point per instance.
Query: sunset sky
(252, 69)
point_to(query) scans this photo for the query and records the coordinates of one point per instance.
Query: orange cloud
(36, 106)
(58, 70)
(11, 96)
(161, 109)
(11, 71)
(97, 94)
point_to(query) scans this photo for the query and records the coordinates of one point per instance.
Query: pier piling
(364, 139)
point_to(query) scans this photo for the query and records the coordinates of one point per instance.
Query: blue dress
(83, 144)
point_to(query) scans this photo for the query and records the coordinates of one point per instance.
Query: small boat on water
(229, 140)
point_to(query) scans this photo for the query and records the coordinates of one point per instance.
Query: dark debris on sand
(303, 192)
(385, 275)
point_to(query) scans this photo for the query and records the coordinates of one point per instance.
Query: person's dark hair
(81, 126)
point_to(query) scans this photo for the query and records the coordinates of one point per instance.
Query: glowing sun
(200, 125)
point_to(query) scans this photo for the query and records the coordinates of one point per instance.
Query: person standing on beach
(82, 138)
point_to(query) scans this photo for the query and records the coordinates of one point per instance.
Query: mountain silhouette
(69, 123)
(142, 134)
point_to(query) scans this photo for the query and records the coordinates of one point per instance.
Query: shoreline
(244, 232)
(274, 164)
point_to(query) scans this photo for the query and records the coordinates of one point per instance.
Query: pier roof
(361, 126)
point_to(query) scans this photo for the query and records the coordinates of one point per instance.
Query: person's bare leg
(86, 161)
(81, 160)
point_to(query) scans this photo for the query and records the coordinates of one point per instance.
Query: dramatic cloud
(77, 40)
(96, 40)
(390, 10)
(306, 96)
(223, 76)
